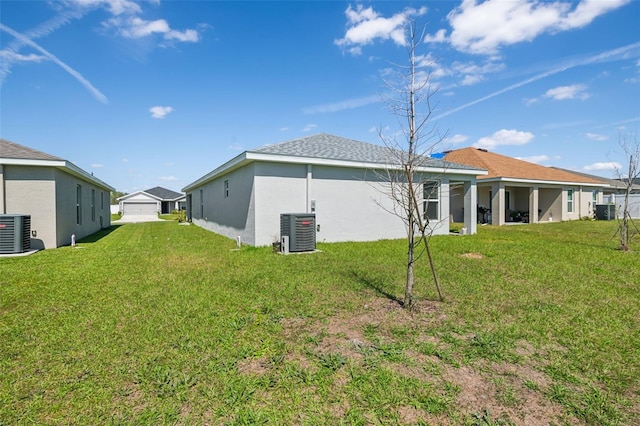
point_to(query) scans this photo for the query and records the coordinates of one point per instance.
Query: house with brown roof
(60, 198)
(516, 190)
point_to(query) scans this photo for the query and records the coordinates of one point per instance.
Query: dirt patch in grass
(253, 366)
(486, 390)
(472, 255)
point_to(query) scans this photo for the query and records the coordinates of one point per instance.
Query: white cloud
(504, 137)
(574, 91)
(597, 137)
(168, 178)
(484, 27)
(366, 25)
(309, 127)
(160, 111)
(97, 166)
(456, 139)
(8, 55)
(125, 160)
(612, 165)
(135, 27)
(473, 73)
(235, 147)
(75, 74)
(115, 7)
(439, 37)
(606, 56)
(535, 158)
(342, 105)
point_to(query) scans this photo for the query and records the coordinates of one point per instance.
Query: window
(79, 204)
(226, 189)
(201, 204)
(431, 203)
(594, 196)
(570, 200)
(93, 205)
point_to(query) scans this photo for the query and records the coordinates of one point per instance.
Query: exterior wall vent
(298, 232)
(15, 233)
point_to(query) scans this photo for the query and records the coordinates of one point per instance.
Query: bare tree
(631, 147)
(410, 101)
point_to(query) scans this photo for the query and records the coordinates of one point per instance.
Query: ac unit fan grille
(301, 230)
(15, 234)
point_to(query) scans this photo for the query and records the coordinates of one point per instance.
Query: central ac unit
(605, 211)
(298, 232)
(15, 230)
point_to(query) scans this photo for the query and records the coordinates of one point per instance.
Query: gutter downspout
(3, 203)
(308, 188)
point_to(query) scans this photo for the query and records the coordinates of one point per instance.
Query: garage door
(140, 208)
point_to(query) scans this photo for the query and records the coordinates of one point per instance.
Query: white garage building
(152, 201)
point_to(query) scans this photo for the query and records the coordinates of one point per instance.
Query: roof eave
(543, 182)
(64, 165)
(250, 156)
(234, 163)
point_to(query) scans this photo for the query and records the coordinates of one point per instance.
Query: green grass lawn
(155, 323)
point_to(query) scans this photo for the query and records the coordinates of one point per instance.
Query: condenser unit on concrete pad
(15, 233)
(297, 232)
(605, 211)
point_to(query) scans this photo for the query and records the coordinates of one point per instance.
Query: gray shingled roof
(163, 193)
(13, 150)
(330, 147)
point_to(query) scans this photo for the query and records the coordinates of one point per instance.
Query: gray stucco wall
(48, 195)
(31, 190)
(350, 204)
(66, 224)
(231, 215)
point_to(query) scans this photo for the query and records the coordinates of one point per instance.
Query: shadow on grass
(375, 286)
(97, 236)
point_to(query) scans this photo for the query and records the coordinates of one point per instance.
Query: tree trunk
(408, 289)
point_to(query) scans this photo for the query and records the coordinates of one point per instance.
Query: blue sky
(161, 92)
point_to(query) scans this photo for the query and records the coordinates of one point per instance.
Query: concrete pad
(136, 218)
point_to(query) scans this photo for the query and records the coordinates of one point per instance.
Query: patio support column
(498, 204)
(470, 207)
(533, 204)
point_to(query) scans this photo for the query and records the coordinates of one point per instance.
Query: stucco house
(341, 180)
(62, 199)
(517, 190)
(151, 201)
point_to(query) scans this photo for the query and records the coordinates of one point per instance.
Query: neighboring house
(615, 194)
(151, 202)
(616, 186)
(62, 199)
(342, 181)
(516, 190)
